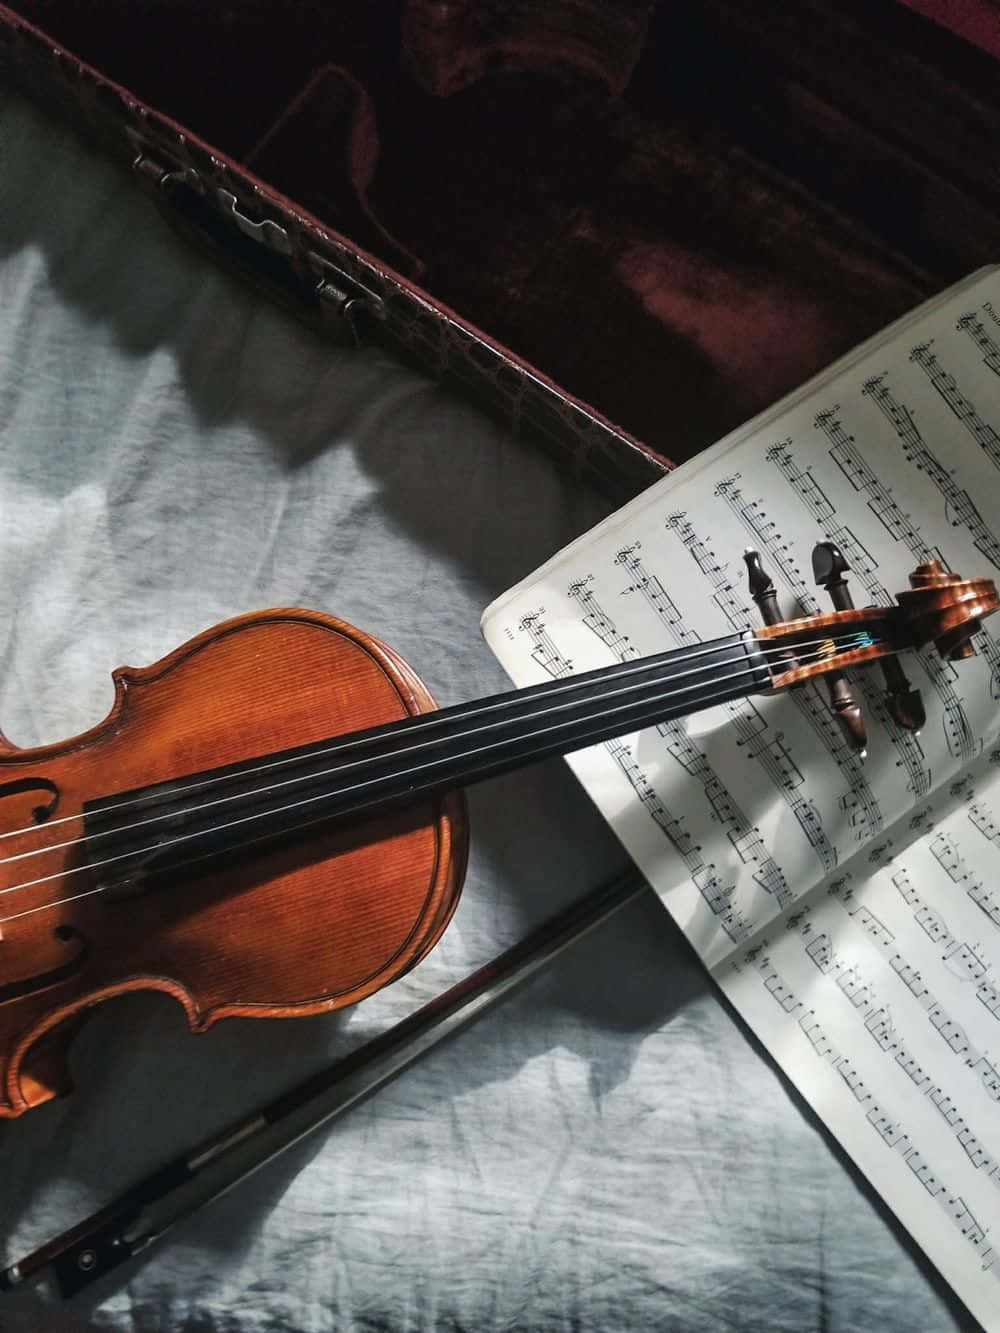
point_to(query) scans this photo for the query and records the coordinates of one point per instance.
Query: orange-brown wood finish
(307, 926)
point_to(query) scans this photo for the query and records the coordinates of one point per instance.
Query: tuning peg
(829, 568)
(764, 593)
(762, 588)
(902, 700)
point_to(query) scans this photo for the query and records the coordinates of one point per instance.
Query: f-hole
(41, 812)
(16, 990)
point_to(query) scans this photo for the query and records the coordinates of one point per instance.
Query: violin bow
(146, 1211)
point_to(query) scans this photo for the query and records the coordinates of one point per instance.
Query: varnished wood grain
(306, 927)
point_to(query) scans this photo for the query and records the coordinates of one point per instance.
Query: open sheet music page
(849, 907)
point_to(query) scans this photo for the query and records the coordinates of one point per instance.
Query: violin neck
(206, 815)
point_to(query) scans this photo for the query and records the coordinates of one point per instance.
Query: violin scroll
(942, 606)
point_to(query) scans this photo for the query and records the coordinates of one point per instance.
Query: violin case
(624, 226)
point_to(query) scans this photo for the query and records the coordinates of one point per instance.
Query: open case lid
(672, 212)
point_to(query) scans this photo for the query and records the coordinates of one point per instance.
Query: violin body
(309, 924)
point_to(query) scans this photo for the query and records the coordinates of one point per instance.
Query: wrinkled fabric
(606, 1150)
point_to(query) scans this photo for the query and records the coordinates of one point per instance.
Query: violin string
(311, 777)
(218, 828)
(56, 902)
(426, 721)
(418, 723)
(104, 888)
(510, 701)
(416, 772)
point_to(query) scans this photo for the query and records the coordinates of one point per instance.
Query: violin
(270, 821)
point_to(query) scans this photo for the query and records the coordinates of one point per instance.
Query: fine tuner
(270, 823)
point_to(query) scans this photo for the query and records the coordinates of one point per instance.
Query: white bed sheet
(609, 1149)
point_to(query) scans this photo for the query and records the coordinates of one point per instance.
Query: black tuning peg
(902, 700)
(762, 588)
(764, 593)
(829, 568)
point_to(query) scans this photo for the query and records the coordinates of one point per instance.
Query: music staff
(960, 407)
(984, 821)
(889, 1128)
(878, 1022)
(862, 477)
(964, 959)
(959, 507)
(944, 849)
(951, 1032)
(974, 327)
(543, 650)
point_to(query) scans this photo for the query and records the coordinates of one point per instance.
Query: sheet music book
(848, 907)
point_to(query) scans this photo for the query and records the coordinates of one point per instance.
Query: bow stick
(148, 1210)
